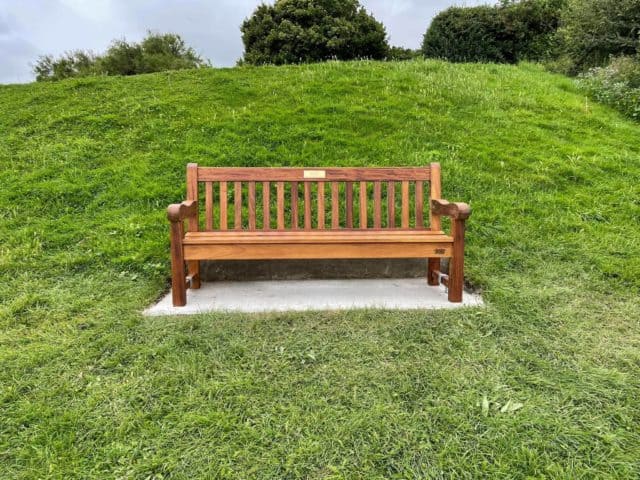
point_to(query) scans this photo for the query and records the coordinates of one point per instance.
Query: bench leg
(433, 266)
(456, 264)
(193, 267)
(178, 281)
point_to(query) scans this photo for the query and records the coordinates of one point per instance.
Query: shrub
(506, 33)
(77, 63)
(595, 30)
(461, 34)
(530, 28)
(156, 53)
(401, 53)
(294, 31)
(617, 84)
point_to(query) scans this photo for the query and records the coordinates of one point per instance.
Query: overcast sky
(29, 28)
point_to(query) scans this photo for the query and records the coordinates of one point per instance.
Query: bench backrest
(314, 198)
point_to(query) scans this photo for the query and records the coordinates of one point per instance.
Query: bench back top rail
(289, 199)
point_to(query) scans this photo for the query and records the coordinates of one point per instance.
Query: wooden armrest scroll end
(457, 211)
(178, 212)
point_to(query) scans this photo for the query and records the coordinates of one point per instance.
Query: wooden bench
(318, 213)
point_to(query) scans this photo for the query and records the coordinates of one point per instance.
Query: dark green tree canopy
(156, 53)
(295, 31)
(509, 32)
(461, 34)
(595, 30)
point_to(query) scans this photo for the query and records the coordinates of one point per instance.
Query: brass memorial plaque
(315, 174)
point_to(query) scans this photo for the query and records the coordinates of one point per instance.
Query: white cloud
(96, 10)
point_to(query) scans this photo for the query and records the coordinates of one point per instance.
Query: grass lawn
(542, 383)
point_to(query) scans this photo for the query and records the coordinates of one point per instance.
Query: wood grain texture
(208, 205)
(252, 205)
(456, 264)
(335, 205)
(307, 206)
(266, 205)
(315, 251)
(294, 206)
(349, 204)
(377, 205)
(456, 210)
(391, 204)
(178, 284)
(433, 266)
(435, 194)
(419, 196)
(298, 174)
(280, 205)
(237, 198)
(316, 236)
(193, 272)
(321, 211)
(362, 193)
(405, 204)
(179, 212)
(192, 194)
(224, 220)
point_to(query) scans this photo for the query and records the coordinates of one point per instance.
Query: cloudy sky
(29, 28)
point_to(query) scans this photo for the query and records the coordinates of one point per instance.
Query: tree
(531, 28)
(512, 31)
(156, 53)
(595, 30)
(294, 31)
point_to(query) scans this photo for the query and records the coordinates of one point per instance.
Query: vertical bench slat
(434, 220)
(208, 203)
(391, 205)
(377, 205)
(266, 205)
(405, 204)
(307, 206)
(363, 205)
(223, 206)
(252, 205)
(280, 205)
(321, 219)
(193, 266)
(237, 198)
(335, 205)
(192, 193)
(419, 204)
(349, 207)
(294, 205)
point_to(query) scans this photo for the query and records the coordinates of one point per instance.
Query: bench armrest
(457, 211)
(178, 212)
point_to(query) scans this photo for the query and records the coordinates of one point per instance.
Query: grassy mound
(544, 382)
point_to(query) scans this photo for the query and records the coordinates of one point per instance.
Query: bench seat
(255, 245)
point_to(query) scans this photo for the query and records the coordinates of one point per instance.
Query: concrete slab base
(297, 295)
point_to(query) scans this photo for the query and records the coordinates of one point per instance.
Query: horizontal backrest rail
(346, 174)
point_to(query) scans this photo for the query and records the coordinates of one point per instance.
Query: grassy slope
(89, 388)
